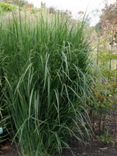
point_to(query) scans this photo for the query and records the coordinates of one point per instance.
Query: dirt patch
(94, 149)
(7, 149)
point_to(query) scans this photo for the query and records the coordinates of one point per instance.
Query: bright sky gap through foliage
(92, 7)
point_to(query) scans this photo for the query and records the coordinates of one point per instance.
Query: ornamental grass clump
(45, 62)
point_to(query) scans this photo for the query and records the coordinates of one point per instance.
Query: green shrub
(105, 138)
(48, 89)
(4, 7)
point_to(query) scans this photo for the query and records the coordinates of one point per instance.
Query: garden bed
(95, 149)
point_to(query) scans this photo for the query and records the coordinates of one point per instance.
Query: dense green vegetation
(4, 7)
(49, 90)
(47, 81)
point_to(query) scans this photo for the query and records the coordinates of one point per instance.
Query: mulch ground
(7, 149)
(94, 149)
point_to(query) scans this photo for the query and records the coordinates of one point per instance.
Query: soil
(8, 149)
(94, 149)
